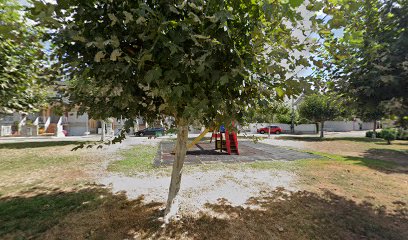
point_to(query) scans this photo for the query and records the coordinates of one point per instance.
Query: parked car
(150, 132)
(273, 129)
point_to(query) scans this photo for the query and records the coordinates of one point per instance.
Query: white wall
(301, 128)
(305, 128)
(340, 126)
(345, 126)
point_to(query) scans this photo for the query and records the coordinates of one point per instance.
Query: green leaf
(98, 56)
(173, 9)
(194, 17)
(115, 54)
(79, 38)
(318, 63)
(113, 18)
(141, 20)
(128, 17)
(280, 92)
(295, 3)
(143, 59)
(224, 80)
(325, 32)
(153, 74)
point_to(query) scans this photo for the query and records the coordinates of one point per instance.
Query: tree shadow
(298, 215)
(385, 166)
(389, 159)
(96, 213)
(93, 213)
(22, 145)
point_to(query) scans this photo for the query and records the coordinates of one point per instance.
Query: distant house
(48, 122)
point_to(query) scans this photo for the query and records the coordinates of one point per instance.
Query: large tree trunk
(180, 154)
(321, 129)
(374, 128)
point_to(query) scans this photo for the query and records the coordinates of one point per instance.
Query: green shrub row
(400, 134)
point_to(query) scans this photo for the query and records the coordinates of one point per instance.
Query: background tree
(22, 72)
(320, 108)
(369, 61)
(266, 112)
(371, 114)
(197, 61)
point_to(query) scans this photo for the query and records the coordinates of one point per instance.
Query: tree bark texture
(321, 129)
(180, 155)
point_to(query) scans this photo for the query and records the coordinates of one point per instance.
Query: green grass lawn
(138, 159)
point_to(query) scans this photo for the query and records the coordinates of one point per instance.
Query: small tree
(389, 134)
(320, 108)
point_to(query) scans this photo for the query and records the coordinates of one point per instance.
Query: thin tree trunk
(321, 129)
(374, 128)
(103, 130)
(269, 132)
(180, 154)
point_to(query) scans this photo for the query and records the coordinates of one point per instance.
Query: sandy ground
(203, 187)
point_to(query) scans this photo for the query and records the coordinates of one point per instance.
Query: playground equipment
(224, 140)
(230, 144)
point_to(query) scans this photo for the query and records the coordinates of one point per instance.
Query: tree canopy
(321, 108)
(193, 60)
(369, 61)
(22, 72)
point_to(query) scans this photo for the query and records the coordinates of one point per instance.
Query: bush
(402, 134)
(378, 134)
(389, 134)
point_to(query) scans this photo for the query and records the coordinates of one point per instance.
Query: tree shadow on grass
(22, 145)
(385, 166)
(299, 215)
(394, 159)
(95, 213)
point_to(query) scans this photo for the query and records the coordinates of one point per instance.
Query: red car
(274, 129)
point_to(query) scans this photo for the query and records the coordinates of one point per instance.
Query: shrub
(378, 134)
(402, 134)
(389, 134)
